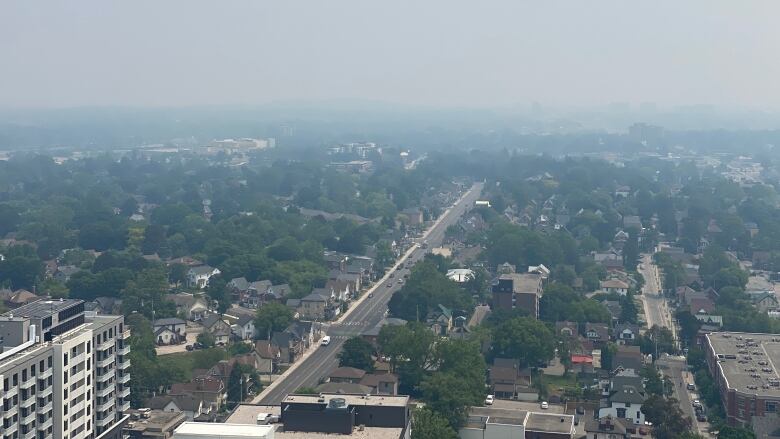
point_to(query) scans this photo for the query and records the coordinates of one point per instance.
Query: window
(32, 370)
(89, 346)
(15, 379)
(771, 406)
(48, 362)
(65, 359)
(621, 413)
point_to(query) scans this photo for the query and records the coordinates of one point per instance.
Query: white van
(325, 340)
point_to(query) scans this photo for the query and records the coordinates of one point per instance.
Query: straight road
(364, 314)
(652, 298)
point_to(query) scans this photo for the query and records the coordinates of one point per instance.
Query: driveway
(193, 329)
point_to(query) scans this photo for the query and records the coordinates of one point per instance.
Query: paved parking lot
(192, 334)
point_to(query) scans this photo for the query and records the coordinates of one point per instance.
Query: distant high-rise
(64, 376)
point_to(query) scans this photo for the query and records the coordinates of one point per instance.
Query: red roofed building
(582, 363)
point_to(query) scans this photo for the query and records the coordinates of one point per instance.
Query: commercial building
(500, 423)
(63, 375)
(203, 430)
(518, 290)
(743, 367)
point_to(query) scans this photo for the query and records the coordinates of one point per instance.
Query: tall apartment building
(518, 290)
(63, 375)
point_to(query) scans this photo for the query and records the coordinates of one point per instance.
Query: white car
(325, 340)
(489, 400)
(544, 405)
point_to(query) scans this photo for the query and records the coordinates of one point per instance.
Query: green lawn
(185, 362)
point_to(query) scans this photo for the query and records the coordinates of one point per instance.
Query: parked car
(544, 405)
(370, 295)
(691, 386)
(325, 340)
(489, 400)
(701, 417)
(189, 347)
(576, 419)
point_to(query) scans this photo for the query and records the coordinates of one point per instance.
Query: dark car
(370, 295)
(188, 347)
(580, 410)
(701, 417)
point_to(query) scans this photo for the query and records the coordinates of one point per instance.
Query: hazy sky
(432, 52)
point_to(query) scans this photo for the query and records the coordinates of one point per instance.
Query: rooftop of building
(216, 430)
(350, 399)
(549, 422)
(747, 361)
(524, 282)
(153, 420)
(365, 433)
(41, 308)
(247, 413)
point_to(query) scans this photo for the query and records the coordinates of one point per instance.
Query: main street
(366, 313)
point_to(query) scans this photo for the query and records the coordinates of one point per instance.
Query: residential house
(64, 272)
(318, 305)
(439, 320)
(210, 390)
(626, 396)
(243, 326)
(508, 381)
(626, 333)
(598, 333)
(294, 340)
(361, 265)
(632, 222)
(628, 360)
(341, 289)
(615, 310)
(582, 364)
(764, 301)
(268, 357)
(198, 277)
(346, 375)
(460, 275)
(335, 261)
(413, 216)
(238, 287)
(169, 331)
(189, 306)
(15, 299)
(381, 383)
(614, 286)
(566, 329)
(606, 428)
(218, 327)
(371, 335)
(622, 191)
(190, 406)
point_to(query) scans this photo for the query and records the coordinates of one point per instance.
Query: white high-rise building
(64, 376)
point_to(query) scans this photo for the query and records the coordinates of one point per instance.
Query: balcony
(43, 392)
(105, 362)
(102, 377)
(123, 350)
(126, 334)
(13, 391)
(11, 411)
(45, 424)
(105, 421)
(46, 407)
(27, 402)
(124, 393)
(123, 378)
(123, 406)
(29, 435)
(106, 344)
(27, 384)
(46, 374)
(27, 419)
(124, 364)
(105, 391)
(8, 432)
(107, 403)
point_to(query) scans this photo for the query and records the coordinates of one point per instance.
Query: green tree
(727, 432)
(667, 418)
(357, 352)
(272, 317)
(427, 288)
(206, 339)
(427, 424)
(236, 386)
(217, 290)
(524, 339)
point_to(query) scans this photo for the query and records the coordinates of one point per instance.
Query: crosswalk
(349, 324)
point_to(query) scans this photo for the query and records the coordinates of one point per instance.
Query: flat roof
(524, 282)
(247, 413)
(215, 430)
(366, 433)
(41, 308)
(748, 362)
(549, 422)
(350, 399)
